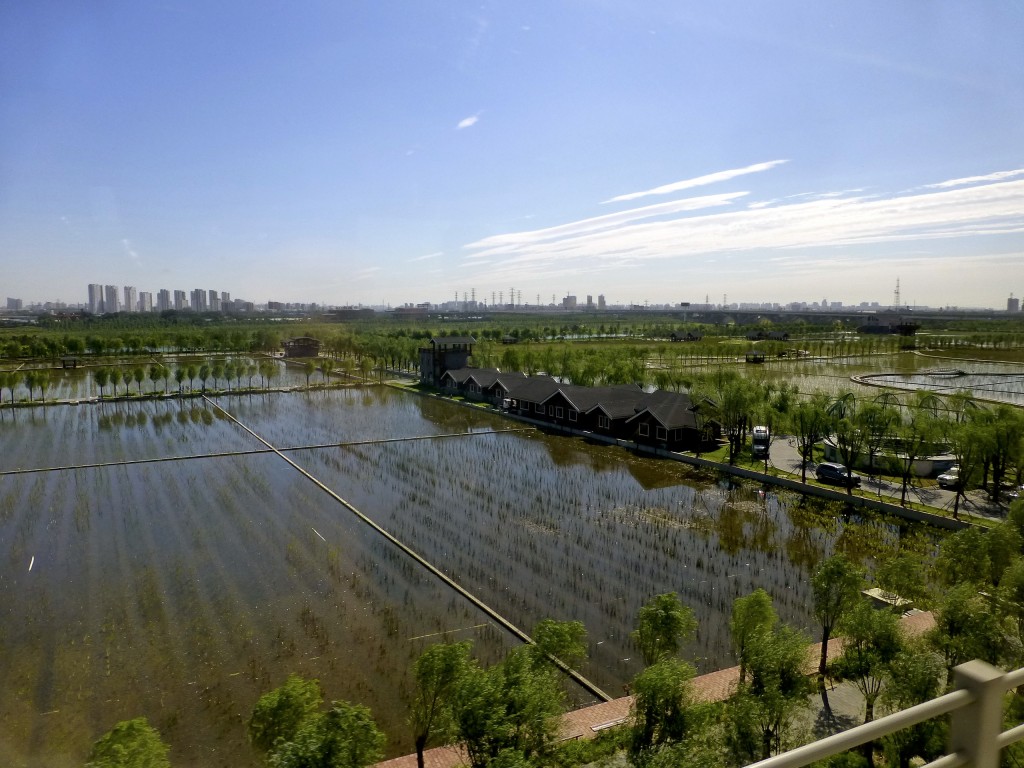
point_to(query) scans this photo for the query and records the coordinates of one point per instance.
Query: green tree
(345, 736)
(179, 377)
(808, 421)
(963, 559)
(7, 381)
(139, 375)
(30, 379)
(849, 434)
(204, 374)
(438, 672)
(662, 626)
(116, 377)
(904, 575)
(563, 640)
(279, 713)
(966, 628)
(914, 676)
(966, 439)
(751, 615)
(871, 640)
(309, 368)
(920, 430)
(663, 696)
(217, 371)
(511, 708)
(129, 744)
(101, 376)
(835, 586)
(191, 372)
(763, 711)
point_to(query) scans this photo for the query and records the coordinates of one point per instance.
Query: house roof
(533, 389)
(446, 340)
(673, 410)
(458, 375)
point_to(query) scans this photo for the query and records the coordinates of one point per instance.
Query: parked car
(950, 478)
(830, 472)
(760, 441)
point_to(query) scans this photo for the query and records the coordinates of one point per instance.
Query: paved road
(784, 456)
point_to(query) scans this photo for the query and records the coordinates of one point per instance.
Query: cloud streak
(433, 255)
(699, 181)
(468, 122)
(684, 230)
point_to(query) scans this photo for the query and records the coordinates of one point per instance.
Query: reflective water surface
(182, 589)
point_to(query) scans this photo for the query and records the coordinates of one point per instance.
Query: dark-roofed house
(527, 395)
(659, 419)
(488, 384)
(301, 346)
(685, 336)
(670, 420)
(445, 353)
(601, 410)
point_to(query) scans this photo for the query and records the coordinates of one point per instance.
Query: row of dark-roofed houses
(659, 419)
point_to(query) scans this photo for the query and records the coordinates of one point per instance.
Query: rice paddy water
(182, 589)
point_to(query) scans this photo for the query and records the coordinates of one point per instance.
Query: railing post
(974, 728)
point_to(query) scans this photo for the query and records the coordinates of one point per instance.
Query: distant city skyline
(99, 297)
(386, 153)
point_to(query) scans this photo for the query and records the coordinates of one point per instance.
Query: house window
(661, 433)
(558, 412)
(539, 408)
(603, 422)
(572, 414)
(644, 430)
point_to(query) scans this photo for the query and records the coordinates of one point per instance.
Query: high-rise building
(131, 299)
(180, 302)
(225, 300)
(14, 303)
(111, 303)
(214, 301)
(163, 300)
(95, 298)
(145, 301)
(1012, 304)
(600, 301)
(198, 300)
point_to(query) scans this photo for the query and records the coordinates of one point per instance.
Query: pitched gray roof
(673, 410)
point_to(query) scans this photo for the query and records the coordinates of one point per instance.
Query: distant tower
(501, 297)
(896, 295)
(1012, 304)
(492, 298)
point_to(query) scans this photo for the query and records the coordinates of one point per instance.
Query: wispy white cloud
(433, 255)
(682, 231)
(699, 181)
(468, 122)
(129, 250)
(362, 274)
(998, 176)
(610, 221)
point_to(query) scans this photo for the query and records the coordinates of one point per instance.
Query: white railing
(975, 737)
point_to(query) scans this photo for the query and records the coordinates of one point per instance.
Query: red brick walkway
(587, 722)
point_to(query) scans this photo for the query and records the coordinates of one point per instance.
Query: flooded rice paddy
(182, 589)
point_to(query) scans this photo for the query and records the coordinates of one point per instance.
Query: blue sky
(390, 152)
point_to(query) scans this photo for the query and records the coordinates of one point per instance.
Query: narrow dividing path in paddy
(255, 451)
(493, 614)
